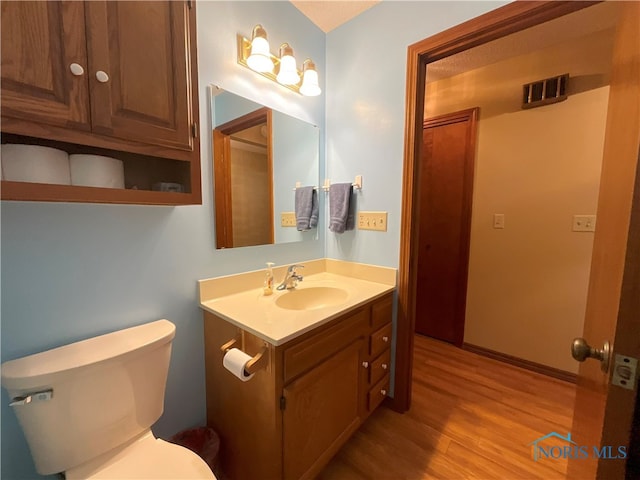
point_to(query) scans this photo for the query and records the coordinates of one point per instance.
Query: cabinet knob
(383, 391)
(76, 69)
(384, 366)
(102, 76)
(365, 364)
(385, 339)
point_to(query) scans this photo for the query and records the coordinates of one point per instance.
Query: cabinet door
(321, 412)
(140, 71)
(40, 42)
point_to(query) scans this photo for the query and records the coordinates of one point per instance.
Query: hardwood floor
(471, 417)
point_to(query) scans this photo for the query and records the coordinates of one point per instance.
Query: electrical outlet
(287, 219)
(584, 223)
(372, 221)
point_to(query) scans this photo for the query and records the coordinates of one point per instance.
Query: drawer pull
(384, 366)
(102, 76)
(365, 364)
(385, 339)
(76, 69)
(383, 392)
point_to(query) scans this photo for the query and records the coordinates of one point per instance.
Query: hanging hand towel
(339, 201)
(315, 209)
(304, 205)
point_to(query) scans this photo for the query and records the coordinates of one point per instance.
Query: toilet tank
(104, 391)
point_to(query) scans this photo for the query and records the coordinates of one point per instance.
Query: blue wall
(295, 159)
(366, 78)
(72, 271)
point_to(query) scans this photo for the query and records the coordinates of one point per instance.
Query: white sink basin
(312, 298)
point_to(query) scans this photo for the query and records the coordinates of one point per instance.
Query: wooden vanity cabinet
(116, 76)
(292, 417)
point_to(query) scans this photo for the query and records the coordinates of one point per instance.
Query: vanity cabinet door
(322, 411)
(140, 71)
(43, 54)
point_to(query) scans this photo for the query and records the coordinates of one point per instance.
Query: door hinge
(194, 130)
(283, 403)
(189, 4)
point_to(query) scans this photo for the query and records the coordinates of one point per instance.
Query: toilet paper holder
(258, 361)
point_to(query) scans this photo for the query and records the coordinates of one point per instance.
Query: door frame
(498, 23)
(221, 142)
(469, 115)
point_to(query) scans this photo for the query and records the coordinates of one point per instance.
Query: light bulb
(260, 58)
(288, 73)
(309, 87)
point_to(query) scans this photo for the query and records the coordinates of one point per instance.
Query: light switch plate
(287, 219)
(584, 223)
(498, 220)
(372, 221)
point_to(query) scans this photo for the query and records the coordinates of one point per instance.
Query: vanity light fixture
(259, 58)
(255, 55)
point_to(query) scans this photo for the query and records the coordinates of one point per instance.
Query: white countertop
(260, 315)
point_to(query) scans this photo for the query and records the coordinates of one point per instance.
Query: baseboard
(522, 363)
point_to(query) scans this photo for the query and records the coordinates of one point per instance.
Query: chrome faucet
(291, 279)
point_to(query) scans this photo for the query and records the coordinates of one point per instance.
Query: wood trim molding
(522, 363)
(503, 21)
(270, 174)
(222, 210)
(246, 121)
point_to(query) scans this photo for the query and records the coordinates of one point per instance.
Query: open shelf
(141, 172)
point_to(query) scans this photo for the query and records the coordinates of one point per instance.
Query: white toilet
(87, 408)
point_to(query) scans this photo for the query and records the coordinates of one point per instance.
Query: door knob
(581, 350)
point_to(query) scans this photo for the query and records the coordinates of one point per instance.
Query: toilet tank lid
(27, 371)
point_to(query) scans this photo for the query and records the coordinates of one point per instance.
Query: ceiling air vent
(544, 92)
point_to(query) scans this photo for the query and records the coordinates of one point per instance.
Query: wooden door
(603, 413)
(40, 42)
(446, 185)
(322, 410)
(141, 52)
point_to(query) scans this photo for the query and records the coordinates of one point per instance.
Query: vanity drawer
(379, 367)
(380, 339)
(381, 312)
(377, 394)
(310, 352)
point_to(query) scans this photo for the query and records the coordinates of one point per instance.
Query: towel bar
(357, 184)
(298, 185)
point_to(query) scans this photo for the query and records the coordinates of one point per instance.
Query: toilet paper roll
(96, 171)
(235, 360)
(35, 163)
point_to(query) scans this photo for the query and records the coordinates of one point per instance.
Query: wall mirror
(259, 154)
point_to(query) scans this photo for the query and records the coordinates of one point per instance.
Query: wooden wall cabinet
(292, 417)
(103, 77)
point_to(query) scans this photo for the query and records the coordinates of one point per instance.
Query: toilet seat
(145, 458)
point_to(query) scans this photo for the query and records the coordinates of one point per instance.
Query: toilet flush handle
(32, 397)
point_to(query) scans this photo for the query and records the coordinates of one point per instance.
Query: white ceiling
(329, 14)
